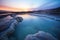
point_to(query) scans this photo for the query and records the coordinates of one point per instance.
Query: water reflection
(32, 24)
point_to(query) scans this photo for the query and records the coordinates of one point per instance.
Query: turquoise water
(32, 24)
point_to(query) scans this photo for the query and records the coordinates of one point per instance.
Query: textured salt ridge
(40, 36)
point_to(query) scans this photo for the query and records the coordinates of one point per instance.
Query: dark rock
(19, 19)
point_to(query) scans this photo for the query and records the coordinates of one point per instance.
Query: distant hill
(50, 11)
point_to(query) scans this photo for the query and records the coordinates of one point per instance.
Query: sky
(25, 5)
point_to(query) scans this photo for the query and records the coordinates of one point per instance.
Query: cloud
(41, 35)
(27, 5)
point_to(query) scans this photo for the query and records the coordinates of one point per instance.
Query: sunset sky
(26, 5)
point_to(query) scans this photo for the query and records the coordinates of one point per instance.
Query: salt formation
(41, 35)
(7, 26)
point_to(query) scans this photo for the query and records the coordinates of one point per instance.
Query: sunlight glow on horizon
(28, 5)
(13, 9)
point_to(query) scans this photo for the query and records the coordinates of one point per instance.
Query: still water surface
(32, 24)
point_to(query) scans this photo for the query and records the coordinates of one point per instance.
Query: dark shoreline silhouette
(55, 11)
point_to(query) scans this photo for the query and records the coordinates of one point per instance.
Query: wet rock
(4, 38)
(19, 19)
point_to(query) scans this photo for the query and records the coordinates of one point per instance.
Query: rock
(4, 38)
(19, 19)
